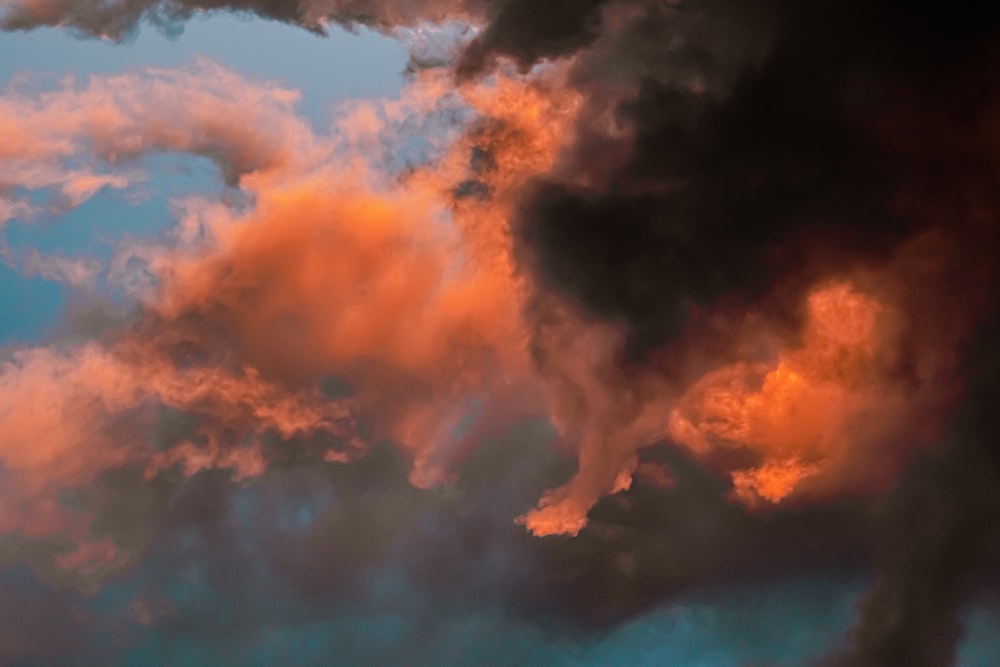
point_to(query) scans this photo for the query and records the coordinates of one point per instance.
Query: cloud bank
(659, 266)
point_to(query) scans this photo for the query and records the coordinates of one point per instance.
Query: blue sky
(328, 70)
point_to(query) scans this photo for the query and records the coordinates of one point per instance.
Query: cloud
(330, 276)
(701, 240)
(118, 20)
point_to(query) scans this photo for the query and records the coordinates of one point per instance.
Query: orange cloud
(816, 419)
(78, 139)
(406, 290)
(402, 291)
(829, 414)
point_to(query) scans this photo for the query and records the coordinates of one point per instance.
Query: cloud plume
(699, 292)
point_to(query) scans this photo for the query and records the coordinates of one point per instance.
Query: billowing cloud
(735, 257)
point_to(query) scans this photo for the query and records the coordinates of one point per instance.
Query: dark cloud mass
(729, 156)
(769, 145)
(756, 153)
(941, 539)
(518, 29)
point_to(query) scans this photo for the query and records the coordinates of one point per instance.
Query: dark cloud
(326, 543)
(321, 531)
(652, 545)
(119, 19)
(753, 153)
(733, 155)
(941, 540)
(318, 540)
(529, 32)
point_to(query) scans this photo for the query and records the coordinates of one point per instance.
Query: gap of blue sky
(327, 70)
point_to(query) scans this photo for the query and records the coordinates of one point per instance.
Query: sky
(467, 332)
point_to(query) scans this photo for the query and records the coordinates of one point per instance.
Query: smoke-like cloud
(736, 256)
(732, 159)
